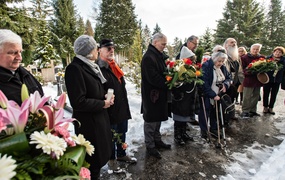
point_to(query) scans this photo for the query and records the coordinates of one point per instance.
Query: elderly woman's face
(11, 56)
(218, 63)
(241, 52)
(254, 50)
(94, 52)
(277, 53)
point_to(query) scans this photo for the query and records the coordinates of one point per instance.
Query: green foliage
(88, 28)
(177, 44)
(242, 20)
(206, 41)
(133, 73)
(64, 28)
(156, 29)
(19, 21)
(146, 37)
(273, 32)
(117, 21)
(199, 54)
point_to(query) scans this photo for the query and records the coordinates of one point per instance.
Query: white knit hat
(84, 44)
(186, 53)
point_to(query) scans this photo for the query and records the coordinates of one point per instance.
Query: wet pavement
(199, 159)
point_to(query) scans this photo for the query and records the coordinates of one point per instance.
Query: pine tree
(146, 38)
(117, 21)
(64, 27)
(177, 44)
(156, 29)
(242, 20)
(80, 26)
(19, 21)
(44, 50)
(274, 30)
(206, 41)
(88, 28)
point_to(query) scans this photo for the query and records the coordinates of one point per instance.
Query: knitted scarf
(94, 67)
(116, 69)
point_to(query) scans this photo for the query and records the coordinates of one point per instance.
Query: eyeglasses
(194, 43)
(109, 48)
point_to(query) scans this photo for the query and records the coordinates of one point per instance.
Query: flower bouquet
(262, 65)
(35, 142)
(182, 71)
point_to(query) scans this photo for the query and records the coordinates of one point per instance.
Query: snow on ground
(258, 163)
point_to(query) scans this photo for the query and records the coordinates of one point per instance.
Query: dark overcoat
(11, 84)
(280, 74)
(120, 111)
(154, 90)
(86, 95)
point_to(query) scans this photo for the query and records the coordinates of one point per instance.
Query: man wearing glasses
(119, 113)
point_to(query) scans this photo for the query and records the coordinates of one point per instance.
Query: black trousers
(272, 90)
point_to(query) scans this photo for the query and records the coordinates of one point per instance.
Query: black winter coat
(154, 90)
(279, 76)
(183, 100)
(120, 111)
(86, 95)
(11, 86)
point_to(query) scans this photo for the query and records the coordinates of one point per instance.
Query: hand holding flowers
(263, 65)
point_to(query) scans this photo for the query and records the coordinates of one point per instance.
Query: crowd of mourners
(104, 117)
(227, 82)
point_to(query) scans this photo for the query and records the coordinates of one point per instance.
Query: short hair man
(12, 75)
(155, 94)
(191, 44)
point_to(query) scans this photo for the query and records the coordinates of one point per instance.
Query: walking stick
(206, 119)
(223, 125)
(218, 125)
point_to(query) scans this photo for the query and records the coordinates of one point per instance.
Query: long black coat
(120, 111)
(154, 91)
(86, 94)
(11, 86)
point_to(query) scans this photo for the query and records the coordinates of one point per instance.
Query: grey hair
(219, 54)
(191, 38)
(219, 47)
(256, 44)
(226, 41)
(8, 36)
(157, 36)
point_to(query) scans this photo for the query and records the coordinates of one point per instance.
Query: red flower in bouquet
(263, 65)
(182, 71)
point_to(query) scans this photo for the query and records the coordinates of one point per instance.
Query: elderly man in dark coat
(119, 113)
(155, 94)
(12, 75)
(84, 83)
